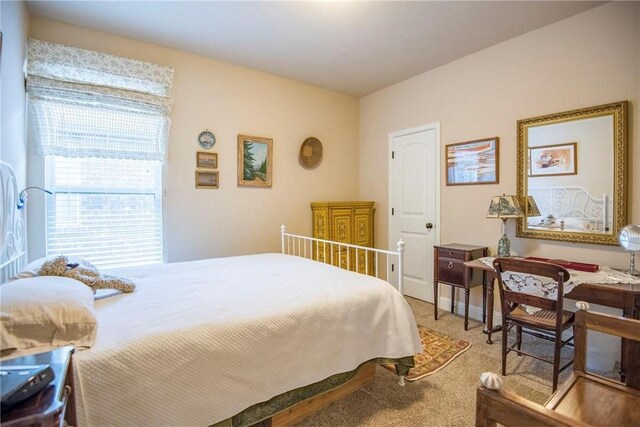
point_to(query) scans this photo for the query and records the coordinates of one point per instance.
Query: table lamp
(504, 207)
(532, 208)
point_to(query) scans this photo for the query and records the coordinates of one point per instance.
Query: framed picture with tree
(255, 161)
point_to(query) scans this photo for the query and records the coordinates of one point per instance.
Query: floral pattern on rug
(438, 351)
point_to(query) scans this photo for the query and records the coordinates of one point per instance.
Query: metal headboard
(13, 226)
(574, 202)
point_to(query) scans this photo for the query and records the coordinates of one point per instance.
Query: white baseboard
(475, 312)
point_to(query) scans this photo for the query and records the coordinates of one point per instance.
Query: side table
(48, 407)
(448, 268)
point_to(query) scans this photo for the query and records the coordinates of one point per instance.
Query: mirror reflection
(569, 164)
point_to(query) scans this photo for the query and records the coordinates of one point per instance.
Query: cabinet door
(320, 231)
(363, 224)
(342, 232)
(341, 227)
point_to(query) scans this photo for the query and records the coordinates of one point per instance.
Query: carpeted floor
(446, 398)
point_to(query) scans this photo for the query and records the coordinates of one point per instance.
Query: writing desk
(625, 296)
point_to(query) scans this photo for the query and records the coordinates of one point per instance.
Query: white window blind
(75, 130)
(108, 211)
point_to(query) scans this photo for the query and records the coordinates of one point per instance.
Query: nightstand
(48, 407)
(448, 269)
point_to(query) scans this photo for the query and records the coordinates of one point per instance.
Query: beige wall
(229, 100)
(589, 59)
(13, 140)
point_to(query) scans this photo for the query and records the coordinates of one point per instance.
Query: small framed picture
(206, 179)
(558, 159)
(473, 162)
(206, 160)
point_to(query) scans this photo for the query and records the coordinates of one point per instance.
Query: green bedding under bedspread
(262, 411)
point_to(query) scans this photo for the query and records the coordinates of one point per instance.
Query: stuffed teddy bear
(86, 273)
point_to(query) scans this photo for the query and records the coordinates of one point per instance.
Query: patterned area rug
(438, 351)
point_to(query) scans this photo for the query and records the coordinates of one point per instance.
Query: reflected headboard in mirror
(574, 165)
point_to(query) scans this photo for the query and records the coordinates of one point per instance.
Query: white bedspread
(198, 342)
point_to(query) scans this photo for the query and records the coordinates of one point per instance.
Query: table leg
(633, 313)
(467, 291)
(484, 297)
(490, 329)
(435, 300)
(453, 297)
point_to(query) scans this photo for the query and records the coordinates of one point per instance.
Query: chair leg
(519, 337)
(504, 347)
(556, 360)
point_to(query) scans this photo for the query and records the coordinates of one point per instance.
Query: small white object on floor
(401, 380)
(490, 381)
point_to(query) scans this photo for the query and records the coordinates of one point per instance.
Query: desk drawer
(451, 254)
(450, 271)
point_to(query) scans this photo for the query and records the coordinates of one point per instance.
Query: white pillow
(31, 270)
(576, 224)
(46, 311)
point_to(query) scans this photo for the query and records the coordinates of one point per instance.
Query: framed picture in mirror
(559, 159)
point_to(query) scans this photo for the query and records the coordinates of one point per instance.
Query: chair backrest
(612, 325)
(509, 298)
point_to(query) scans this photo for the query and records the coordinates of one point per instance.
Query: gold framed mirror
(572, 171)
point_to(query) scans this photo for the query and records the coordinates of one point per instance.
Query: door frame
(431, 126)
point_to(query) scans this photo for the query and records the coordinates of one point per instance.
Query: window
(108, 211)
(106, 206)
(101, 123)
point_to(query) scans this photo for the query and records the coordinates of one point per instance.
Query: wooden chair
(584, 399)
(551, 318)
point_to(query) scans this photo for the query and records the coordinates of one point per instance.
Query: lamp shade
(532, 208)
(504, 207)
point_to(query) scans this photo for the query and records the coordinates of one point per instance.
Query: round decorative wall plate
(311, 153)
(206, 139)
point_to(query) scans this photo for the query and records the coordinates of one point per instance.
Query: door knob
(429, 226)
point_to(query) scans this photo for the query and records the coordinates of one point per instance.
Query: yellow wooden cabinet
(344, 222)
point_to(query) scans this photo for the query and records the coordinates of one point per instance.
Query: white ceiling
(351, 47)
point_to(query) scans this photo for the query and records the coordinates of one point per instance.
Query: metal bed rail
(361, 259)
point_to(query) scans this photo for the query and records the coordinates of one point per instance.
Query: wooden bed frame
(584, 399)
(312, 405)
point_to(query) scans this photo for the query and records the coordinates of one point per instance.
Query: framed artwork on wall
(206, 160)
(473, 162)
(206, 179)
(550, 160)
(255, 161)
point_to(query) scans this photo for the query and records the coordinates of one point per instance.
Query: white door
(414, 195)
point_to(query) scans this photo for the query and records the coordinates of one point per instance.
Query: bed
(571, 208)
(234, 340)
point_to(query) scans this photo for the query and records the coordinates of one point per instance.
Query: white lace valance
(73, 65)
(91, 104)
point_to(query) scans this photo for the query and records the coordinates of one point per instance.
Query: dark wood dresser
(449, 270)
